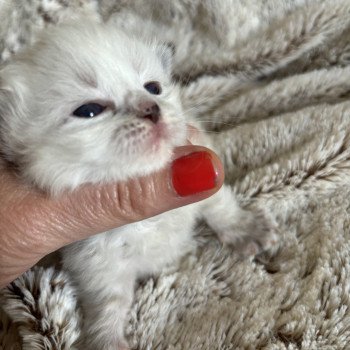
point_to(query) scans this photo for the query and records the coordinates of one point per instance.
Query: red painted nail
(193, 173)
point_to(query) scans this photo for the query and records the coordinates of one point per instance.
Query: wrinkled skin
(33, 225)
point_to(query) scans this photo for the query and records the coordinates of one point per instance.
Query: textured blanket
(270, 81)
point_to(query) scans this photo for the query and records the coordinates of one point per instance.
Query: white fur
(47, 80)
(72, 65)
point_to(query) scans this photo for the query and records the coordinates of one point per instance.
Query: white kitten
(88, 103)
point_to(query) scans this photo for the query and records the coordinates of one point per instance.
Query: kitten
(86, 104)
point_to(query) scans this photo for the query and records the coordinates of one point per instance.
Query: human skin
(32, 224)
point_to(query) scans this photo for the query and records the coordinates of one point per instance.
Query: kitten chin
(65, 176)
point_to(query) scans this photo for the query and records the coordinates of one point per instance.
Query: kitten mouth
(160, 131)
(158, 135)
(161, 134)
(155, 139)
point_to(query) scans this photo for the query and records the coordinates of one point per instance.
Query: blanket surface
(270, 82)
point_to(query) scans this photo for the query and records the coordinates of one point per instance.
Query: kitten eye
(153, 87)
(89, 110)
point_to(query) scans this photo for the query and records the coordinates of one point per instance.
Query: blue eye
(153, 88)
(89, 110)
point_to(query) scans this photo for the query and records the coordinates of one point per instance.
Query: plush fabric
(270, 81)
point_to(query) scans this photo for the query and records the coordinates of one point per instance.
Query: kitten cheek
(177, 133)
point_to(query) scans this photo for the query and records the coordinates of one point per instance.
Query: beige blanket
(270, 80)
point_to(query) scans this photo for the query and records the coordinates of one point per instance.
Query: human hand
(33, 225)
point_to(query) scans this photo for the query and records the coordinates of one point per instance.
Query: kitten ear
(166, 54)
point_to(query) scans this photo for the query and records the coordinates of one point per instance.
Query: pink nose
(148, 110)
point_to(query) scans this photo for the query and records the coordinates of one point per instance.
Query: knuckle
(133, 200)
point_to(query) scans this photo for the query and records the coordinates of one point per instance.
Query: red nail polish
(193, 173)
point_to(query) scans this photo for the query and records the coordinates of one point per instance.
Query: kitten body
(41, 90)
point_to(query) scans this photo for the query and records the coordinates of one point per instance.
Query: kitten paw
(253, 234)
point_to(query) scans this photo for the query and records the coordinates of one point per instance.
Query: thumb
(33, 224)
(195, 173)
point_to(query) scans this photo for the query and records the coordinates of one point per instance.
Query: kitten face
(86, 104)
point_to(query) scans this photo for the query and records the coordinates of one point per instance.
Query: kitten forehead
(82, 49)
(82, 62)
(87, 78)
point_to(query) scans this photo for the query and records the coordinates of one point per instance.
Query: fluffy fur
(76, 64)
(285, 145)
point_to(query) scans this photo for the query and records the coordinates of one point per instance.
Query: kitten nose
(149, 110)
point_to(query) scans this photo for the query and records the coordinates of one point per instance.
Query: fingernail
(193, 173)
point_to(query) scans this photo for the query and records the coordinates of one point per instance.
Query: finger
(196, 173)
(53, 223)
(32, 224)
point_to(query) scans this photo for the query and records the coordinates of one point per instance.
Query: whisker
(210, 131)
(216, 122)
